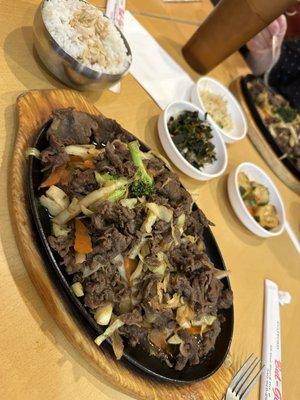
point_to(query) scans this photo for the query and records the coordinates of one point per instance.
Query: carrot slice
(77, 162)
(130, 266)
(83, 242)
(53, 178)
(195, 330)
(75, 159)
(89, 164)
(65, 177)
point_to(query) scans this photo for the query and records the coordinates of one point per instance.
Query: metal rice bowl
(66, 68)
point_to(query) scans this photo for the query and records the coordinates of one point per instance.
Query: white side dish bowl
(240, 127)
(256, 174)
(209, 171)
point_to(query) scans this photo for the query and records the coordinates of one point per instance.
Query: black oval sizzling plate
(136, 356)
(262, 126)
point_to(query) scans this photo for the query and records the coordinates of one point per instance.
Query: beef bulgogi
(130, 240)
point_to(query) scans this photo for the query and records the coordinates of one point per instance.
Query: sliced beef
(209, 338)
(133, 318)
(172, 190)
(155, 166)
(187, 257)
(115, 229)
(126, 220)
(54, 157)
(108, 130)
(160, 227)
(163, 319)
(135, 334)
(70, 127)
(225, 299)
(116, 160)
(103, 286)
(182, 286)
(70, 264)
(62, 245)
(81, 183)
(147, 287)
(110, 243)
(195, 223)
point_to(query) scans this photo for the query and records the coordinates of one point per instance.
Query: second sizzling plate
(263, 128)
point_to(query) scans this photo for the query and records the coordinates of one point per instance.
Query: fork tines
(243, 381)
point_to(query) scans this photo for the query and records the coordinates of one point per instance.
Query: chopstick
(292, 236)
(166, 18)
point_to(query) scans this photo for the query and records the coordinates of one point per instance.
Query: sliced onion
(129, 203)
(184, 315)
(79, 258)
(137, 272)
(175, 339)
(87, 271)
(109, 331)
(51, 205)
(92, 197)
(117, 345)
(174, 302)
(83, 151)
(77, 289)
(103, 314)
(162, 212)
(220, 274)
(59, 196)
(180, 222)
(32, 151)
(60, 230)
(119, 262)
(86, 211)
(204, 320)
(149, 222)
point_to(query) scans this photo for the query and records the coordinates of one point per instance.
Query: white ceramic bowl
(209, 171)
(240, 128)
(254, 173)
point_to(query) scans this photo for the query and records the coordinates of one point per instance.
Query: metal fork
(243, 381)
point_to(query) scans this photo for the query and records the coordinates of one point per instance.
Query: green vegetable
(103, 179)
(117, 195)
(244, 184)
(242, 191)
(287, 114)
(192, 137)
(143, 184)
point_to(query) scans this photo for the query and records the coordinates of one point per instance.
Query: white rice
(80, 41)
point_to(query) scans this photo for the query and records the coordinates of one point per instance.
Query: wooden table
(36, 359)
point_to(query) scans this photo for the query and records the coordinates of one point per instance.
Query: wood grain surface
(34, 109)
(262, 145)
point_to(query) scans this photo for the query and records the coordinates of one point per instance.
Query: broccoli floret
(143, 184)
(287, 114)
(117, 195)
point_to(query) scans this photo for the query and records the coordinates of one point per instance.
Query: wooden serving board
(262, 145)
(34, 108)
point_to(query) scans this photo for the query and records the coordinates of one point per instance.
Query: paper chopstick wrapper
(155, 70)
(115, 11)
(271, 378)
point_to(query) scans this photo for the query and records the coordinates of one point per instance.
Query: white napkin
(152, 66)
